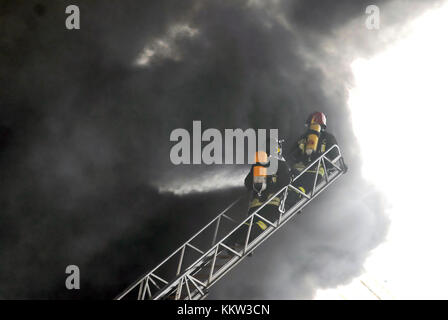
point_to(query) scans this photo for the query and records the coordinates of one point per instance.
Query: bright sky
(399, 111)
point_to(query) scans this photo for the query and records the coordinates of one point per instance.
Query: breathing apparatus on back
(316, 123)
(260, 172)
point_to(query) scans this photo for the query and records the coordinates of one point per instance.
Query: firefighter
(262, 187)
(311, 145)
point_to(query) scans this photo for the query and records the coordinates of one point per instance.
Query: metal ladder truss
(199, 263)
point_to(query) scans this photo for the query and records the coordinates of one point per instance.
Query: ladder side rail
(293, 211)
(227, 268)
(234, 261)
(250, 217)
(208, 252)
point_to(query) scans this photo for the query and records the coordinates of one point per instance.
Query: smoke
(86, 117)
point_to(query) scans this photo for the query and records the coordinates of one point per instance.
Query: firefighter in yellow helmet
(311, 145)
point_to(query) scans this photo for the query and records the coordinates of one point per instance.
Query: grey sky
(85, 136)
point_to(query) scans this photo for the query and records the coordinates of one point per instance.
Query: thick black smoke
(85, 137)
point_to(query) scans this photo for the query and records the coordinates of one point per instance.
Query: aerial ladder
(200, 262)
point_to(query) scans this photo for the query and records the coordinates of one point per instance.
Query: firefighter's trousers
(269, 212)
(308, 179)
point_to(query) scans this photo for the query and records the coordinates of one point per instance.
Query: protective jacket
(298, 159)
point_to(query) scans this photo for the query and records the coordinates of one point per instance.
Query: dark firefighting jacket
(298, 159)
